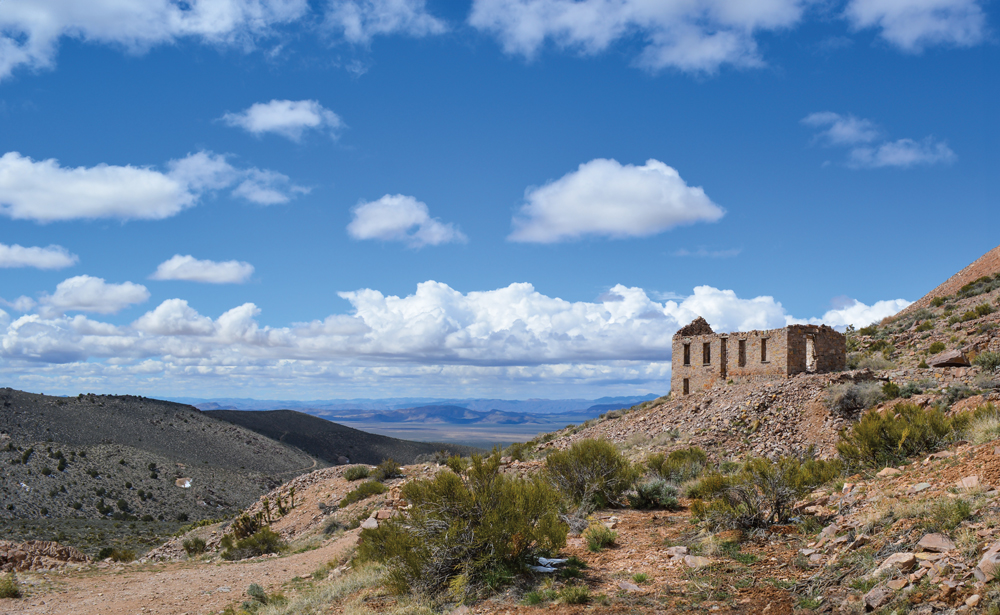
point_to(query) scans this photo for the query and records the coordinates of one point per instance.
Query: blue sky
(510, 198)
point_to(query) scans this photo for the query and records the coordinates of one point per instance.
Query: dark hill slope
(328, 440)
(77, 456)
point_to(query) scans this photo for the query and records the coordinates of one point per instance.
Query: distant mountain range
(366, 406)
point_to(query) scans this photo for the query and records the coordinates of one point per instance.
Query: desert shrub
(938, 301)
(875, 362)
(761, 493)
(869, 331)
(927, 325)
(945, 515)
(122, 555)
(519, 450)
(467, 535)
(386, 470)
(9, 587)
(680, 465)
(957, 392)
(936, 347)
(194, 546)
(457, 464)
(850, 397)
(890, 390)
(923, 364)
(655, 493)
(979, 425)
(354, 473)
(592, 473)
(364, 490)
(599, 537)
(984, 309)
(575, 594)
(882, 439)
(264, 541)
(988, 361)
(910, 389)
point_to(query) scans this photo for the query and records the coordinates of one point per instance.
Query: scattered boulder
(949, 358)
(877, 598)
(696, 561)
(888, 472)
(937, 543)
(969, 482)
(903, 561)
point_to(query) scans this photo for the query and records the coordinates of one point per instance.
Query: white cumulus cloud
(52, 257)
(362, 20)
(510, 337)
(191, 269)
(45, 191)
(860, 135)
(605, 198)
(690, 36)
(288, 118)
(30, 30)
(913, 25)
(858, 314)
(397, 217)
(85, 293)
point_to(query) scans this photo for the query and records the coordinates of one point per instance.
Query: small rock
(888, 472)
(877, 597)
(920, 487)
(897, 584)
(903, 561)
(938, 543)
(969, 482)
(858, 542)
(675, 551)
(629, 587)
(972, 600)
(370, 524)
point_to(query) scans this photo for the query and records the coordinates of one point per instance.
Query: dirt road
(175, 588)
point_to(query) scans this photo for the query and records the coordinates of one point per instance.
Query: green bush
(761, 493)
(936, 347)
(519, 450)
(467, 535)
(457, 464)
(958, 392)
(194, 546)
(927, 325)
(122, 555)
(386, 470)
(869, 331)
(938, 301)
(599, 537)
(850, 397)
(984, 309)
(592, 473)
(654, 494)
(988, 361)
(354, 473)
(9, 587)
(891, 390)
(680, 465)
(575, 594)
(364, 490)
(884, 439)
(261, 543)
(946, 515)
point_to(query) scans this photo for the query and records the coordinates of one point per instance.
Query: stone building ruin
(703, 358)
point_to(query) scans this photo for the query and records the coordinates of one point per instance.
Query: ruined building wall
(754, 356)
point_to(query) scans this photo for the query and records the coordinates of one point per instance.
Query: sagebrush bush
(354, 473)
(575, 594)
(988, 361)
(761, 493)
(936, 347)
(656, 493)
(680, 465)
(979, 425)
(364, 490)
(194, 546)
(386, 470)
(122, 555)
(882, 439)
(519, 450)
(599, 537)
(263, 542)
(891, 390)
(468, 535)
(592, 473)
(457, 464)
(850, 397)
(9, 587)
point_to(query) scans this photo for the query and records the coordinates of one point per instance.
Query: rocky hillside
(95, 456)
(330, 441)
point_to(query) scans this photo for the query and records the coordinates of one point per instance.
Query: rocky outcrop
(37, 555)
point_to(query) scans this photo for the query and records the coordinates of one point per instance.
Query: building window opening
(687, 386)
(810, 354)
(687, 354)
(743, 353)
(763, 350)
(706, 353)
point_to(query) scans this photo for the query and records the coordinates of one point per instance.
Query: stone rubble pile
(37, 555)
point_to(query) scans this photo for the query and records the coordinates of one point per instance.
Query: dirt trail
(175, 588)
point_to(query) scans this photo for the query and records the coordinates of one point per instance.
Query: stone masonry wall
(755, 356)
